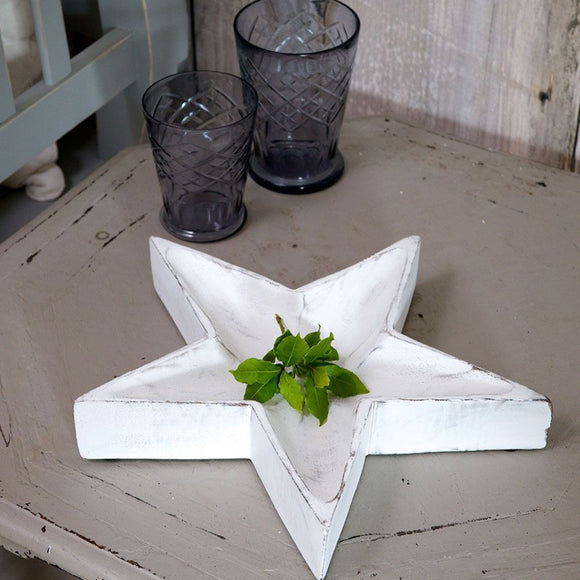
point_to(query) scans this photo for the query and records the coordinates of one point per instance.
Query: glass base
(211, 236)
(297, 186)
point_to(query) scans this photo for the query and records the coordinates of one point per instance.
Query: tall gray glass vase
(299, 56)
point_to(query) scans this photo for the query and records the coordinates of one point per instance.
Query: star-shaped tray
(187, 405)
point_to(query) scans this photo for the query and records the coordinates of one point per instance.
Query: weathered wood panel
(499, 74)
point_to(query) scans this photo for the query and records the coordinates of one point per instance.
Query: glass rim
(201, 73)
(349, 40)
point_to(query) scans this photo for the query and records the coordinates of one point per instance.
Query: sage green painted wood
(45, 113)
(162, 36)
(51, 40)
(7, 106)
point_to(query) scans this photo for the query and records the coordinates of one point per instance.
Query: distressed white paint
(187, 406)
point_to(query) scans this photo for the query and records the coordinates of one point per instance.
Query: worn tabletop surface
(498, 286)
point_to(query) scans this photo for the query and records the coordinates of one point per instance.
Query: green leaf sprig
(302, 370)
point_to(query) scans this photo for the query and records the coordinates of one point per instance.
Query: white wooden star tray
(187, 405)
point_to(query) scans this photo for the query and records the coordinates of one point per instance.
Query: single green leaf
(320, 377)
(332, 354)
(292, 391)
(316, 401)
(270, 356)
(261, 392)
(344, 383)
(328, 359)
(291, 350)
(255, 370)
(313, 338)
(320, 350)
(279, 339)
(280, 323)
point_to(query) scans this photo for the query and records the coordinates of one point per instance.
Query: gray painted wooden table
(498, 286)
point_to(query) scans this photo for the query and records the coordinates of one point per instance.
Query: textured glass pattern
(200, 128)
(299, 57)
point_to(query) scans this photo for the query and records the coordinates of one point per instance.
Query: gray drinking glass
(298, 55)
(200, 127)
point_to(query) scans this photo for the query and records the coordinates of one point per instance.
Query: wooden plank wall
(502, 74)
